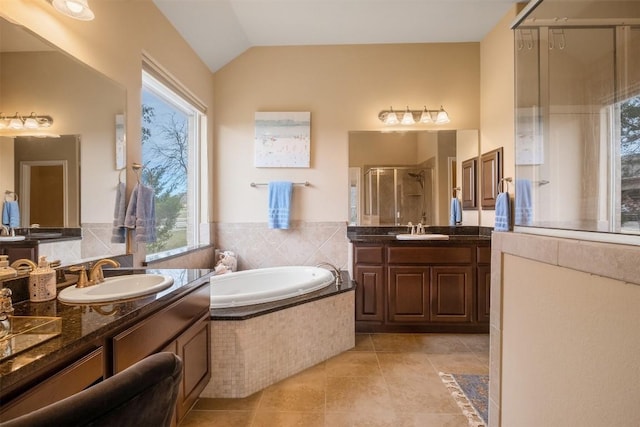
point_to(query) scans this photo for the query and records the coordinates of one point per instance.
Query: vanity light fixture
(410, 117)
(76, 9)
(18, 122)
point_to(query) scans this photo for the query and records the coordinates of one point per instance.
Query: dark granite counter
(249, 311)
(387, 234)
(87, 326)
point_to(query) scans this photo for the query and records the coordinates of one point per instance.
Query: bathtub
(270, 284)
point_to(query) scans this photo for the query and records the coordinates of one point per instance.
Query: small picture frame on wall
(282, 139)
(469, 184)
(490, 176)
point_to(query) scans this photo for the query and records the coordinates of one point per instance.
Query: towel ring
(501, 184)
(10, 193)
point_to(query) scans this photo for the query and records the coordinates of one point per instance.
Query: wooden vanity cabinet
(75, 377)
(421, 287)
(369, 271)
(181, 328)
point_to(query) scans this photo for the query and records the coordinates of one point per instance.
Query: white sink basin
(11, 238)
(117, 288)
(422, 237)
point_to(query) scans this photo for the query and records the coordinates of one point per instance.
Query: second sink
(117, 288)
(422, 236)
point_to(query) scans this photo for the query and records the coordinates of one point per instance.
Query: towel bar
(256, 184)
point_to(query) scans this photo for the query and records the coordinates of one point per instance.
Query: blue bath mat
(471, 393)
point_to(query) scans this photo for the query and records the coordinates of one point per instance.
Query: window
(172, 135)
(578, 126)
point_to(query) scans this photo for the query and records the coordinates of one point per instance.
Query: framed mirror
(397, 177)
(86, 109)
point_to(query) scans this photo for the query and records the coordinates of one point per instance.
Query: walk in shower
(398, 195)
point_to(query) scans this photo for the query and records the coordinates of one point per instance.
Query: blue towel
(141, 214)
(11, 214)
(524, 208)
(503, 212)
(280, 204)
(118, 233)
(456, 212)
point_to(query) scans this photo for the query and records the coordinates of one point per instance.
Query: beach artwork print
(283, 139)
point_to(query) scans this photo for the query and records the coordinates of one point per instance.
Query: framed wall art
(282, 139)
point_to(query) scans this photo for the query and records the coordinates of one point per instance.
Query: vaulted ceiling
(220, 30)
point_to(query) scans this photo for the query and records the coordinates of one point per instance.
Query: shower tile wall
(304, 243)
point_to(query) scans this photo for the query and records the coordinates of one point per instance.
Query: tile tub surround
(249, 355)
(304, 243)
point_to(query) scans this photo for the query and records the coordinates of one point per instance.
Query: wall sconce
(76, 9)
(410, 117)
(18, 122)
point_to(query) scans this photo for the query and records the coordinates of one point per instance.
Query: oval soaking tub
(262, 285)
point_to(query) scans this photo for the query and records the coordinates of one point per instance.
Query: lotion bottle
(42, 282)
(6, 272)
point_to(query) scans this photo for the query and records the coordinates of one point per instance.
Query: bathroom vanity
(98, 341)
(421, 285)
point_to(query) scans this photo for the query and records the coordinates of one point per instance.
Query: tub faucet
(336, 271)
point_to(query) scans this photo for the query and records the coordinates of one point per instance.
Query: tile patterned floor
(385, 380)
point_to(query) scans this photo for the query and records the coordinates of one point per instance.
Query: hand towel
(523, 207)
(456, 212)
(118, 233)
(11, 214)
(146, 215)
(279, 204)
(503, 213)
(130, 215)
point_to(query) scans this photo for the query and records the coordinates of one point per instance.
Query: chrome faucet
(7, 231)
(336, 271)
(95, 273)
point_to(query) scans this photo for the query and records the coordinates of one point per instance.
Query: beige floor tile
(369, 418)
(396, 343)
(302, 392)
(357, 394)
(459, 363)
(363, 343)
(441, 344)
(476, 343)
(217, 418)
(404, 364)
(244, 404)
(353, 364)
(421, 394)
(288, 419)
(432, 420)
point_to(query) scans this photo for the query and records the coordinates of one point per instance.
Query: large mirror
(397, 177)
(75, 157)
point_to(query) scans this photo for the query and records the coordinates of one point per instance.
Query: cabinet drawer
(430, 255)
(157, 330)
(369, 254)
(70, 380)
(484, 255)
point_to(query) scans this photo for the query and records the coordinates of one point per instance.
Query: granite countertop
(387, 234)
(84, 326)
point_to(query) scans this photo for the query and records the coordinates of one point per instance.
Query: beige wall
(113, 44)
(497, 98)
(344, 88)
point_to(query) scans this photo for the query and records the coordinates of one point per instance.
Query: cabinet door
(369, 292)
(408, 294)
(451, 294)
(484, 292)
(194, 348)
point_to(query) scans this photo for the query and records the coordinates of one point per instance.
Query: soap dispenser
(6, 272)
(42, 282)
